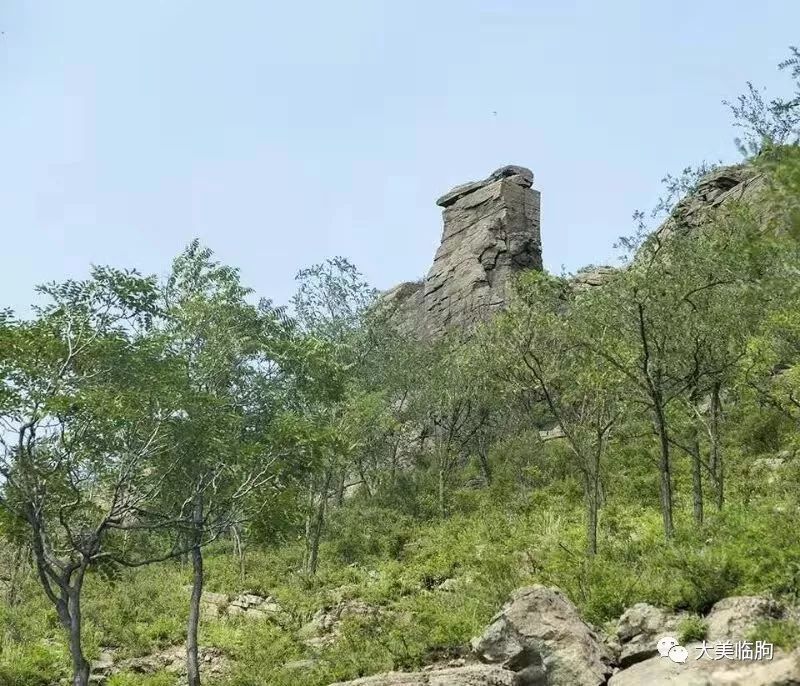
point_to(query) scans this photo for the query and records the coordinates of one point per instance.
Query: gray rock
(719, 188)
(105, 662)
(173, 661)
(214, 598)
(325, 626)
(472, 675)
(491, 232)
(639, 629)
(540, 626)
(590, 277)
(734, 618)
(783, 670)
(521, 176)
(450, 585)
(255, 606)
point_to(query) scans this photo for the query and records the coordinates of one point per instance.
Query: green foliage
(782, 633)
(121, 619)
(141, 680)
(768, 123)
(692, 628)
(31, 665)
(635, 442)
(361, 534)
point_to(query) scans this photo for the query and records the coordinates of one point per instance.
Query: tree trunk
(442, 487)
(65, 596)
(340, 487)
(697, 477)
(309, 520)
(653, 378)
(319, 523)
(68, 607)
(592, 501)
(664, 467)
(715, 464)
(238, 546)
(80, 666)
(192, 651)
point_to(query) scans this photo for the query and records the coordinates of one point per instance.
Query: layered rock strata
(491, 231)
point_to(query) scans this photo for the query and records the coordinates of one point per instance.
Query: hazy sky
(284, 133)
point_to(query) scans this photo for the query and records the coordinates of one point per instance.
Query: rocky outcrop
(720, 187)
(782, 670)
(472, 675)
(247, 605)
(539, 639)
(325, 626)
(734, 618)
(491, 231)
(539, 632)
(170, 661)
(638, 631)
(591, 276)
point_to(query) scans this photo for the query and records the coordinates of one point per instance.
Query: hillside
(495, 477)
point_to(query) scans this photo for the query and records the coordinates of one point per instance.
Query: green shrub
(691, 629)
(31, 665)
(781, 633)
(360, 532)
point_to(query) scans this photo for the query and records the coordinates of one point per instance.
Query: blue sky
(284, 133)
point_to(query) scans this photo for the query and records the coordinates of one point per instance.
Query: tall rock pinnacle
(491, 231)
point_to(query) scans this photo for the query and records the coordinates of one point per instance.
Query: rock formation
(540, 635)
(491, 231)
(539, 639)
(720, 187)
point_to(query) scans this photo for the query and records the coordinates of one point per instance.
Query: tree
(82, 409)
(227, 450)
(538, 347)
(768, 124)
(631, 323)
(331, 306)
(449, 407)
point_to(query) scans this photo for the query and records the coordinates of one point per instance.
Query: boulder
(540, 626)
(733, 618)
(255, 606)
(639, 629)
(472, 675)
(173, 661)
(522, 176)
(104, 664)
(589, 277)
(212, 605)
(103, 667)
(449, 585)
(325, 626)
(782, 670)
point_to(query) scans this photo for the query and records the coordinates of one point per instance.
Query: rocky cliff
(491, 231)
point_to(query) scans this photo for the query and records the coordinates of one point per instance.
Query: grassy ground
(494, 541)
